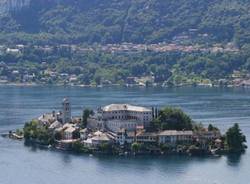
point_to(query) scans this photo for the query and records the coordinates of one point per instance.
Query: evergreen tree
(212, 128)
(235, 139)
(85, 115)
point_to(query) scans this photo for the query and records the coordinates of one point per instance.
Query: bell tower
(66, 111)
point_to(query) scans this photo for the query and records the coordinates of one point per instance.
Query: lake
(27, 165)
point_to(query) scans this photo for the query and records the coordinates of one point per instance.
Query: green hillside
(137, 21)
(91, 23)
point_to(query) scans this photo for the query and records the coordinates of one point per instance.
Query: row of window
(145, 137)
(132, 112)
(124, 117)
(67, 109)
(117, 124)
(129, 117)
(168, 138)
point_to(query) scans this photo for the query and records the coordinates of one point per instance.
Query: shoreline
(129, 156)
(125, 154)
(122, 86)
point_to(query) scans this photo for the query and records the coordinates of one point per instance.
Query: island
(124, 129)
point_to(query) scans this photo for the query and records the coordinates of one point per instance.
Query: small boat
(15, 136)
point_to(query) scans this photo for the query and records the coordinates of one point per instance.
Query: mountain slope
(115, 21)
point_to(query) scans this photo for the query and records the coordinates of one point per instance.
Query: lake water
(26, 165)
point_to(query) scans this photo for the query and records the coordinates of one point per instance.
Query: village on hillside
(47, 71)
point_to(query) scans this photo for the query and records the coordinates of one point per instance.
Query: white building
(68, 131)
(140, 136)
(66, 111)
(173, 136)
(98, 139)
(118, 116)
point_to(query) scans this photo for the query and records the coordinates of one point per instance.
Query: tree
(77, 147)
(235, 139)
(98, 80)
(30, 129)
(135, 147)
(174, 119)
(58, 136)
(212, 128)
(85, 115)
(76, 134)
(43, 135)
(34, 131)
(105, 148)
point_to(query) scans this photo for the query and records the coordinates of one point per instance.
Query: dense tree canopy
(235, 139)
(173, 119)
(112, 21)
(33, 131)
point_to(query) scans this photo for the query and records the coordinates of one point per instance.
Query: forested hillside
(116, 21)
(162, 42)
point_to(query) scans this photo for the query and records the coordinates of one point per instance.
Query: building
(95, 122)
(146, 137)
(172, 137)
(68, 131)
(125, 137)
(218, 143)
(84, 133)
(98, 138)
(56, 124)
(47, 118)
(13, 51)
(141, 136)
(206, 135)
(119, 116)
(66, 111)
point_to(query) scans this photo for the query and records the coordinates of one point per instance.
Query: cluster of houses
(116, 124)
(11, 73)
(180, 43)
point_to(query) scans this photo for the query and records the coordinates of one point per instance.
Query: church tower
(66, 111)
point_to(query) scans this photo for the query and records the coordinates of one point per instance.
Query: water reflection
(66, 158)
(134, 161)
(234, 159)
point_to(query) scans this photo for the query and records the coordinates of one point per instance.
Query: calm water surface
(26, 165)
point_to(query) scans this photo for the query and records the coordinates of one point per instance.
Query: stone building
(66, 111)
